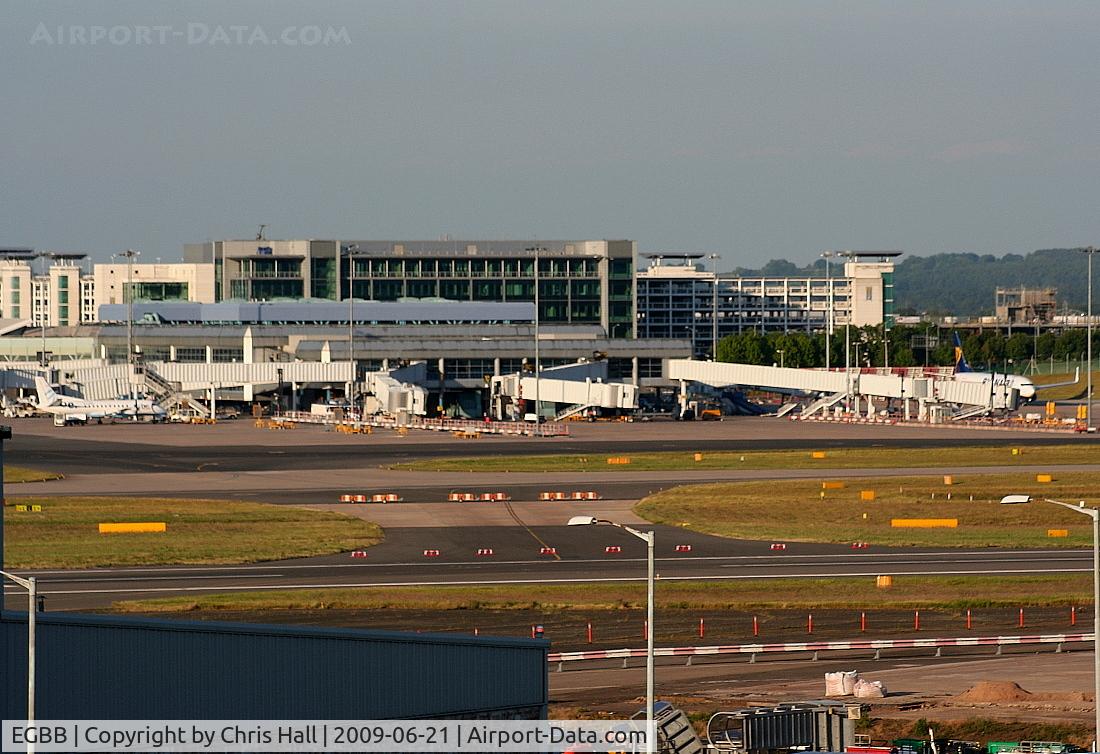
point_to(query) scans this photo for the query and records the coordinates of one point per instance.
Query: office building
(59, 293)
(580, 282)
(678, 298)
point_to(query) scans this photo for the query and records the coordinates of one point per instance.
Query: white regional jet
(69, 410)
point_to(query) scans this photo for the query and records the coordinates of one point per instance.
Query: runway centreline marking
(500, 582)
(771, 559)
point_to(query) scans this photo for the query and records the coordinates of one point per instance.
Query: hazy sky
(754, 129)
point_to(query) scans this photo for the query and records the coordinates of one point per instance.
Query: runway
(312, 468)
(583, 560)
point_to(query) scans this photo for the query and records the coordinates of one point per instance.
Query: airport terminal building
(469, 310)
(580, 282)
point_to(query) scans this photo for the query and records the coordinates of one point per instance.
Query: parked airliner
(69, 410)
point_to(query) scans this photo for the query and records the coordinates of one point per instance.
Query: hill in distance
(964, 284)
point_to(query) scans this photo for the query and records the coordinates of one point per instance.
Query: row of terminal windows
(471, 268)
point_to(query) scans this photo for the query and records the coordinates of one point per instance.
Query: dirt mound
(995, 691)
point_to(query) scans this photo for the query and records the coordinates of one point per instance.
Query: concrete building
(678, 298)
(580, 282)
(462, 342)
(1026, 306)
(151, 282)
(59, 293)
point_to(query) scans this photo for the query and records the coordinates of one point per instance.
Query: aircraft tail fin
(46, 395)
(960, 359)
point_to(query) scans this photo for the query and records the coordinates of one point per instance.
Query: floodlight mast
(1094, 514)
(647, 537)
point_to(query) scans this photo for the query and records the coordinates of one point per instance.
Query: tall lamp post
(30, 584)
(647, 537)
(43, 359)
(350, 251)
(714, 307)
(130, 254)
(827, 256)
(32, 598)
(1094, 514)
(1090, 250)
(847, 338)
(537, 250)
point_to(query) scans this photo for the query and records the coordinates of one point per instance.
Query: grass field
(16, 474)
(801, 511)
(949, 592)
(844, 458)
(65, 533)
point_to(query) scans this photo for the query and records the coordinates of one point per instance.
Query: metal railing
(875, 645)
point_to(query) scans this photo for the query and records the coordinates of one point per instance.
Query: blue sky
(753, 129)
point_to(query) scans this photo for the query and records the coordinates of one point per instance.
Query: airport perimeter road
(515, 561)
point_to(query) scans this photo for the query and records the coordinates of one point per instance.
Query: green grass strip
(840, 458)
(947, 592)
(801, 511)
(65, 533)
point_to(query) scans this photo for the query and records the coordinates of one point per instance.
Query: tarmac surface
(311, 467)
(238, 446)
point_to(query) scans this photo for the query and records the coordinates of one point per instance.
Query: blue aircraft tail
(960, 359)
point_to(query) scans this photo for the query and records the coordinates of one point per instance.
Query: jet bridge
(569, 397)
(956, 399)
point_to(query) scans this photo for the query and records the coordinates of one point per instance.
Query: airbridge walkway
(932, 396)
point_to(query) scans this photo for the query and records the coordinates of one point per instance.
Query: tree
(1020, 346)
(747, 347)
(798, 348)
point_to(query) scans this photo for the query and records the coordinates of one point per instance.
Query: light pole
(827, 256)
(847, 339)
(32, 598)
(1095, 516)
(349, 251)
(714, 307)
(1090, 250)
(43, 360)
(130, 254)
(537, 251)
(780, 351)
(647, 537)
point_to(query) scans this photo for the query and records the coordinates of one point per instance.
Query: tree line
(909, 345)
